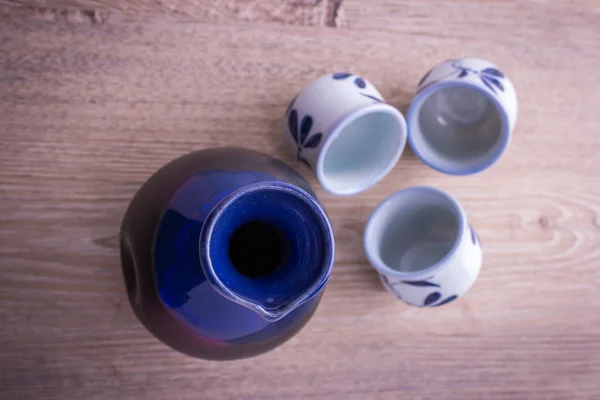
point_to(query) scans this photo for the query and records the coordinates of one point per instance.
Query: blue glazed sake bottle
(225, 253)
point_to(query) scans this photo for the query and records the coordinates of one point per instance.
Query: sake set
(226, 251)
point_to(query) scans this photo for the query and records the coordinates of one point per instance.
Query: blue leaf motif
(490, 77)
(493, 71)
(446, 301)
(341, 75)
(313, 141)
(301, 134)
(372, 97)
(432, 298)
(293, 125)
(421, 283)
(474, 236)
(360, 83)
(423, 79)
(305, 127)
(485, 81)
(390, 287)
(496, 82)
(421, 88)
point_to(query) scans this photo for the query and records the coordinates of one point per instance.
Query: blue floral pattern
(372, 98)
(421, 283)
(491, 77)
(358, 82)
(341, 75)
(431, 300)
(300, 131)
(424, 78)
(390, 286)
(474, 236)
(446, 301)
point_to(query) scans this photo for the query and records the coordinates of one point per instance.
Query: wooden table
(96, 95)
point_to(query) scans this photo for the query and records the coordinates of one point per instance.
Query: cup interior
(363, 149)
(458, 129)
(413, 230)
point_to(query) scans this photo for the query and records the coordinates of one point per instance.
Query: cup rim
(376, 261)
(412, 120)
(339, 126)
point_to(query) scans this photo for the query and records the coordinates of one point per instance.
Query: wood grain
(88, 111)
(296, 12)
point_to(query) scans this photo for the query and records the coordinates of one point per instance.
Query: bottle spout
(275, 314)
(269, 247)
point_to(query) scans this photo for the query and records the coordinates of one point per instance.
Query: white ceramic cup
(462, 116)
(425, 251)
(340, 126)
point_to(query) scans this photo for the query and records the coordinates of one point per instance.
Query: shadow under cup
(458, 129)
(413, 230)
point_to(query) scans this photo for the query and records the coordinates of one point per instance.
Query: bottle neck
(268, 246)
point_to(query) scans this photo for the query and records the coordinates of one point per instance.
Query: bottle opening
(268, 246)
(256, 249)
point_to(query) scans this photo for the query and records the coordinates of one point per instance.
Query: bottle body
(225, 253)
